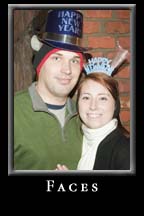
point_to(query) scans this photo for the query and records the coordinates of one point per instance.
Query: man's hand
(61, 167)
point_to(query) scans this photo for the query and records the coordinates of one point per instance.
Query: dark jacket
(113, 152)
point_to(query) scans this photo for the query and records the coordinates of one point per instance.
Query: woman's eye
(85, 98)
(103, 98)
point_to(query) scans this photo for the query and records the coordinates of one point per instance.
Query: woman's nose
(93, 104)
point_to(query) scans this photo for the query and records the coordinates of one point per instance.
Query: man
(45, 127)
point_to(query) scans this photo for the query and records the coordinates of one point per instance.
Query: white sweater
(91, 140)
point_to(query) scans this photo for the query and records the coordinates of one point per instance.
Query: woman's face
(96, 104)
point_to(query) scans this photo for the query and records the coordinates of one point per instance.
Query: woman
(106, 144)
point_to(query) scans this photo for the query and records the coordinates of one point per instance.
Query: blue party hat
(64, 29)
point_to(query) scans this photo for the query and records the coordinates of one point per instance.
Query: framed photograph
(109, 31)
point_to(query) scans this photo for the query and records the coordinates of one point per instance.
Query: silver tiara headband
(105, 65)
(99, 64)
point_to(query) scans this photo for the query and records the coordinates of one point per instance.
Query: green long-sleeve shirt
(40, 143)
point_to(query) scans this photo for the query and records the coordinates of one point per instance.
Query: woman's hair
(112, 85)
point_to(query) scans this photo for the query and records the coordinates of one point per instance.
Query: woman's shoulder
(120, 141)
(118, 134)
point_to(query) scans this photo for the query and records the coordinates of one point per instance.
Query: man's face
(96, 104)
(60, 72)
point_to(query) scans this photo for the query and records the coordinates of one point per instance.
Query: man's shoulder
(22, 98)
(21, 94)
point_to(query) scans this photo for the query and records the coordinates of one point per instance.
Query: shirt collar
(39, 105)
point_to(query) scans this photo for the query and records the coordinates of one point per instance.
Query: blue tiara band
(99, 64)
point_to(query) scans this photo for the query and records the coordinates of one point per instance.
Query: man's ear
(35, 43)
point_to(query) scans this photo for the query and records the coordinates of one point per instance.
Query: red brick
(114, 27)
(125, 116)
(124, 42)
(84, 41)
(123, 72)
(101, 42)
(124, 86)
(91, 27)
(98, 13)
(97, 54)
(123, 14)
(125, 102)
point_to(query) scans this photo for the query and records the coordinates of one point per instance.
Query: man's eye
(56, 58)
(75, 61)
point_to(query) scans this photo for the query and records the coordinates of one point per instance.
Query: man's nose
(66, 68)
